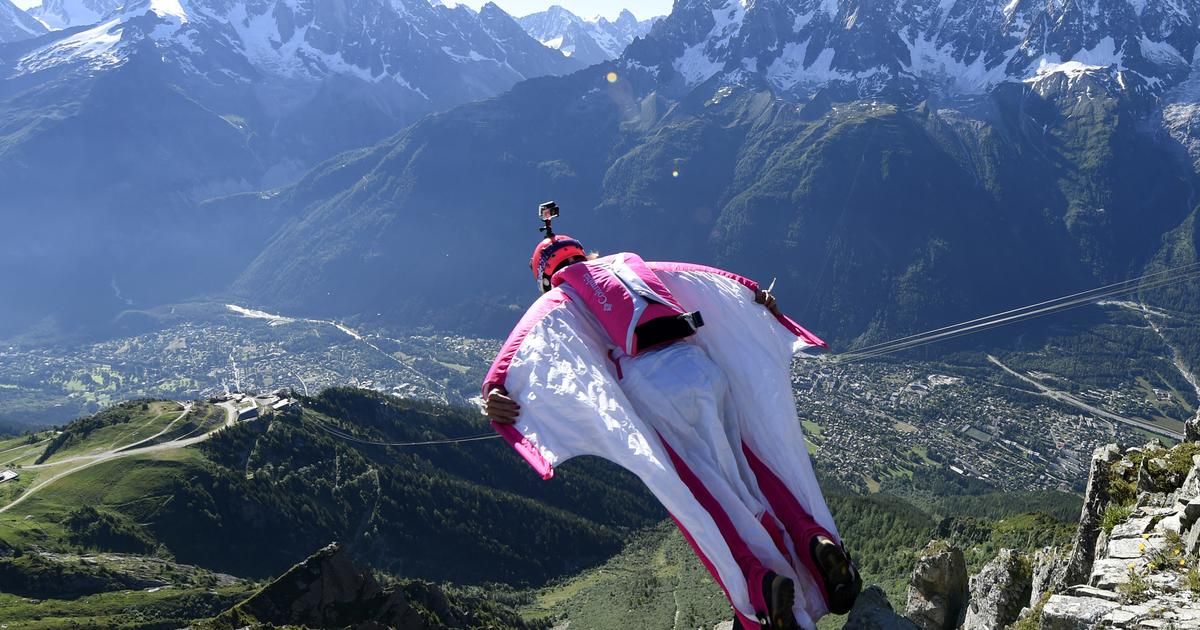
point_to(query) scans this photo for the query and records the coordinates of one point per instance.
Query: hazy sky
(583, 8)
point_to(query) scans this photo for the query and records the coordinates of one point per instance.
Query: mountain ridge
(16, 25)
(906, 199)
(589, 41)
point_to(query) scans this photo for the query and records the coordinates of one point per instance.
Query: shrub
(1136, 590)
(1114, 514)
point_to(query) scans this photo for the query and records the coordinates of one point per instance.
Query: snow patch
(1104, 55)
(1160, 52)
(555, 43)
(927, 59)
(788, 70)
(695, 66)
(169, 9)
(97, 46)
(1073, 70)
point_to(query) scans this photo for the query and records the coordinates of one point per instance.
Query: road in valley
(127, 451)
(1077, 403)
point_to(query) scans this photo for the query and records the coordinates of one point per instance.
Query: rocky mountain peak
(589, 41)
(417, 47)
(328, 590)
(957, 47)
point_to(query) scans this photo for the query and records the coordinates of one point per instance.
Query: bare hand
(499, 407)
(767, 300)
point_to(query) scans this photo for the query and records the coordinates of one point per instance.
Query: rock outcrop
(328, 591)
(1096, 498)
(999, 592)
(1133, 563)
(873, 611)
(937, 589)
(1049, 566)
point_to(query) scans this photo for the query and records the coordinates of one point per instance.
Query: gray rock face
(1191, 513)
(1191, 485)
(999, 591)
(1107, 574)
(1067, 612)
(873, 611)
(937, 589)
(1192, 541)
(1049, 565)
(1192, 429)
(1096, 497)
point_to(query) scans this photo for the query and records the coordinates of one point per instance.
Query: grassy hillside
(260, 496)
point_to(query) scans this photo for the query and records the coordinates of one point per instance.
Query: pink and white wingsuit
(707, 422)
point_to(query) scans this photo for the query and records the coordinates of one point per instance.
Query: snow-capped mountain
(440, 55)
(589, 41)
(16, 25)
(121, 128)
(957, 46)
(303, 78)
(60, 14)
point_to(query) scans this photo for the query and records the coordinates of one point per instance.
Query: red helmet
(550, 253)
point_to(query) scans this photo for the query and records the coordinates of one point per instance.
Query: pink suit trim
(498, 373)
(752, 570)
(797, 522)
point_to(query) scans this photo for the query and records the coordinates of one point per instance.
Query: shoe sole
(842, 581)
(782, 598)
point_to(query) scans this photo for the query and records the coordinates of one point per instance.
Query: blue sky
(583, 8)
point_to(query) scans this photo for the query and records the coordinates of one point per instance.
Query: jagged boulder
(937, 589)
(999, 592)
(873, 611)
(1096, 497)
(1192, 429)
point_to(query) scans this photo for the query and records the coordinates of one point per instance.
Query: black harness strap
(667, 329)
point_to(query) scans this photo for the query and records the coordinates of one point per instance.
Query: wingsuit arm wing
(555, 364)
(806, 342)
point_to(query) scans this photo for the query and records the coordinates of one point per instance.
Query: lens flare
(612, 77)
(675, 173)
